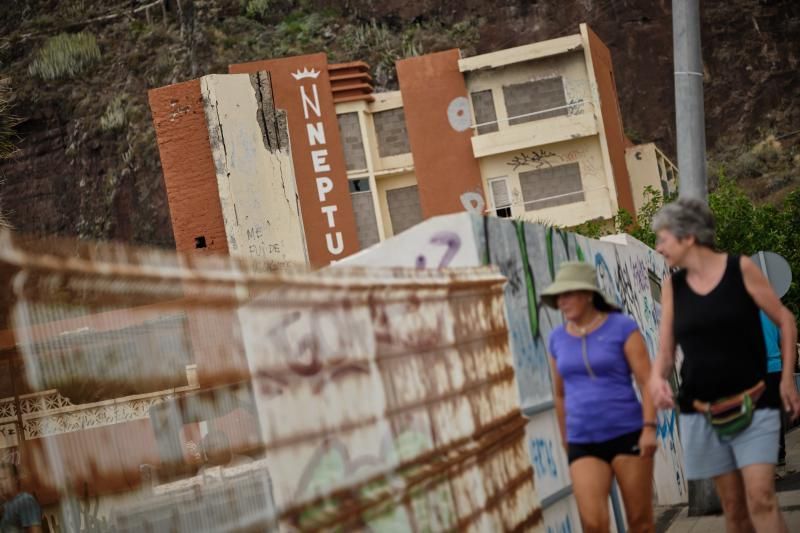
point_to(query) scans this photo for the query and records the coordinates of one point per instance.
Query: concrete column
(373, 183)
(691, 141)
(689, 112)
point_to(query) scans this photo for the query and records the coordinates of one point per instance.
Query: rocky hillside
(79, 70)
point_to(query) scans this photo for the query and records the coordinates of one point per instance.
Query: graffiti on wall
(433, 362)
(528, 255)
(538, 159)
(384, 398)
(533, 158)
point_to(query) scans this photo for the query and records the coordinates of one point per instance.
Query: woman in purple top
(606, 431)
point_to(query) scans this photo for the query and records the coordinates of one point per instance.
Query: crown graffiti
(305, 73)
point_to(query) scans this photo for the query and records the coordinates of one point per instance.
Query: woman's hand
(661, 392)
(648, 443)
(791, 400)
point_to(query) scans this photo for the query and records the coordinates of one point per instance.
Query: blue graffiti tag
(565, 526)
(543, 458)
(666, 425)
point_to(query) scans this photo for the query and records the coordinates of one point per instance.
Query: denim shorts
(706, 455)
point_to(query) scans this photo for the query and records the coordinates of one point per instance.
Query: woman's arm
(639, 361)
(558, 401)
(660, 391)
(761, 291)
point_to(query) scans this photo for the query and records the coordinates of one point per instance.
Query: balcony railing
(573, 108)
(525, 204)
(49, 413)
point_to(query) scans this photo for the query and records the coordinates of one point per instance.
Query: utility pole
(691, 139)
(689, 112)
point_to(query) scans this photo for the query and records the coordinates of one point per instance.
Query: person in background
(20, 510)
(710, 308)
(606, 431)
(772, 339)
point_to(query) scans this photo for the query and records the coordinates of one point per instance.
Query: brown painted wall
(438, 123)
(189, 173)
(104, 460)
(612, 120)
(328, 218)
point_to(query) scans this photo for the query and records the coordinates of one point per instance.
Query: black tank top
(721, 338)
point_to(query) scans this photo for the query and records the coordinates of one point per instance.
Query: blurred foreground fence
(151, 391)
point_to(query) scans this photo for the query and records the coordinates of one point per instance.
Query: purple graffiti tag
(449, 239)
(453, 243)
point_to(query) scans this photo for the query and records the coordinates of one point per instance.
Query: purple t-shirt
(604, 407)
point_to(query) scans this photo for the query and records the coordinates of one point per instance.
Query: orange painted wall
(438, 122)
(612, 119)
(189, 173)
(322, 237)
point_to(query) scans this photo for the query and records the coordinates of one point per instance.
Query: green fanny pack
(732, 415)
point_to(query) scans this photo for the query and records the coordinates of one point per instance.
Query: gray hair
(687, 217)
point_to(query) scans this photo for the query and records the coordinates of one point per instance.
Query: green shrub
(114, 117)
(65, 55)
(7, 122)
(256, 9)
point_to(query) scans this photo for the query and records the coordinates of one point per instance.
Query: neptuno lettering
(312, 111)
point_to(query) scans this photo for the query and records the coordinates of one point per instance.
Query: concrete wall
(485, 113)
(384, 186)
(227, 166)
(364, 209)
(418, 364)
(390, 129)
(529, 255)
(353, 144)
(301, 86)
(254, 172)
(396, 156)
(551, 186)
(544, 97)
(379, 399)
(648, 167)
(404, 209)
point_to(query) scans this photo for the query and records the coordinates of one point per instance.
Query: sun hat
(576, 276)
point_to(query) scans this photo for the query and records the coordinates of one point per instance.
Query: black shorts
(627, 444)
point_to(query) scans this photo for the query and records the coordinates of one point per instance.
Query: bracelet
(651, 424)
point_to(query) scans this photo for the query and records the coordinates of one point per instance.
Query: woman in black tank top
(710, 308)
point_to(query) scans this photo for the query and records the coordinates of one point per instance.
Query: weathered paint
(188, 165)
(225, 154)
(404, 413)
(254, 173)
(374, 343)
(434, 100)
(301, 86)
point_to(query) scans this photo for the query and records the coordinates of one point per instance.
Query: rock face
(74, 176)
(750, 50)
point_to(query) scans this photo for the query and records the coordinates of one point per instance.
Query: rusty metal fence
(154, 391)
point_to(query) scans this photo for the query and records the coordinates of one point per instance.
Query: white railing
(49, 413)
(545, 199)
(573, 108)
